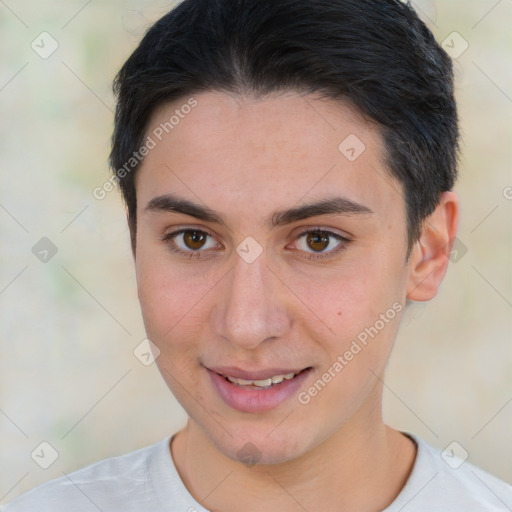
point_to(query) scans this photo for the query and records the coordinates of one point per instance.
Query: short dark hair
(376, 54)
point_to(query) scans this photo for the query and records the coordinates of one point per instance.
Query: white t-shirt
(146, 480)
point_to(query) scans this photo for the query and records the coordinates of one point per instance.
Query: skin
(247, 158)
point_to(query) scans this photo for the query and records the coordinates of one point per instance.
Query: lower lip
(256, 400)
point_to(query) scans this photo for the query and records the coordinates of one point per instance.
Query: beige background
(68, 375)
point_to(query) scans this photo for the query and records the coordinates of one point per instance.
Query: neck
(360, 469)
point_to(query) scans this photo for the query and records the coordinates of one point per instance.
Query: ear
(431, 253)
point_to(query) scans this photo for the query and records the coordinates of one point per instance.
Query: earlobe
(431, 253)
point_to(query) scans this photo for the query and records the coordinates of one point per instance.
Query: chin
(262, 448)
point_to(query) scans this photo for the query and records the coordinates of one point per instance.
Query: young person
(288, 170)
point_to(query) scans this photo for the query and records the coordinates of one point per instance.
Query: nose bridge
(250, 312)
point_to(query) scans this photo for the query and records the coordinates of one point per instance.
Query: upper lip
(239, 373)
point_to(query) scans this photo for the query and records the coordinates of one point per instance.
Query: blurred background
(69, 316)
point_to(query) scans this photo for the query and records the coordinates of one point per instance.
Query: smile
(256, 391)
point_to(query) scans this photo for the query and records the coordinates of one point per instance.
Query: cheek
(167, 306)
(173, 298)
(348, 299)
(163, 295)
(357, 312)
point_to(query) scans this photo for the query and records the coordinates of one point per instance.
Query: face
(271, 242)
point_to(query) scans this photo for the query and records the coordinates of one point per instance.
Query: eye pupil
(194, 237)
(317, 239)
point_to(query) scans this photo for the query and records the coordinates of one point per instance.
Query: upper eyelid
(302, 232)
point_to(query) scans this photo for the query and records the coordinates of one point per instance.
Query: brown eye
(194, 239)
(317, 241)
(320, 243)
(190, 243)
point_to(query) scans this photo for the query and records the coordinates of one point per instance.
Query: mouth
(256, 391)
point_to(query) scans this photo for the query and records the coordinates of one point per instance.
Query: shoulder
(104, 485)
(441, 480)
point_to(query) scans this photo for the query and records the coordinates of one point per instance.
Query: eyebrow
(329, 206)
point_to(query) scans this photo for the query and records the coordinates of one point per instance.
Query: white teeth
(264, 383)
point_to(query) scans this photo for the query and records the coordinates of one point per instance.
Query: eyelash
(313, 256)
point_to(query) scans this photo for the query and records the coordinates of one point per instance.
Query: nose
(251, 308)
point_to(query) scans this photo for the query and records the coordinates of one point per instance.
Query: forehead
(242, 154)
